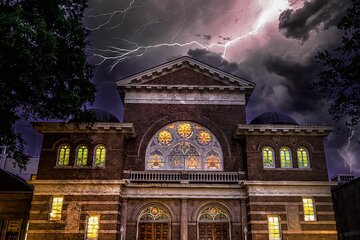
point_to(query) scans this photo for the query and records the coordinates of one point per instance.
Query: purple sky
(269, 42)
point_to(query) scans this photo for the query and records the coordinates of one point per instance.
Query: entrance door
(214, 224)
(153, 224)
(213, 231)
(153, 231)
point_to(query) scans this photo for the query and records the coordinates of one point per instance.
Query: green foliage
(43, 68)
(339, 81)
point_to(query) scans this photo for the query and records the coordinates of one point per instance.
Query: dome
(95, 115)
(275, 118)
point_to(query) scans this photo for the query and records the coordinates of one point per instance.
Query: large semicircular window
(184, 145)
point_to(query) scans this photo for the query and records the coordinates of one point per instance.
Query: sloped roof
(143, 77)
(12, 183)
(275, 118)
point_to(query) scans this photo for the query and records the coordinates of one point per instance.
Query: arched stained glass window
(63, 155)
(268, 157)
(285, 157)
(212, 214)
(82, 155)
(303, 157)
(184, 145)
(100, 154)
(154, 213)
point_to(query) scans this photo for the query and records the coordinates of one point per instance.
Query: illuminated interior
(303, 157)
(184, 145)
(274, 225)
(82, 155)
(309, 211)
(92, 228)
(63, 157)
(285, 157)
(100, 153)
(268, 157)
(56, 208)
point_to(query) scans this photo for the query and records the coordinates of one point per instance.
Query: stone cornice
(58, 127)
(269, 129)
(76, 182)
(184, 62)
(151, 87)
(286, 183)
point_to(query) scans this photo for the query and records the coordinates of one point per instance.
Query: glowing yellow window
(56, 208)
(82, 155)
(303, 158)
(268, 157)
(309, 210)
(184, 130)
(203, 138)
(285, 157)
(100, 153)
(274, 225)
(165, 137)
(92, 227)
(63, 156)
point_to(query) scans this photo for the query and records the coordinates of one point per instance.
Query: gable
(185, 76)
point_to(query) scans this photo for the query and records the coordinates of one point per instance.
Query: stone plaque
(293, 219)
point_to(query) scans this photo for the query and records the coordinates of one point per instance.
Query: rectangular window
(92, 227)
(309, 210)
(56, 208)
(274, 225)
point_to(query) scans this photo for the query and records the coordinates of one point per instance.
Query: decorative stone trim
(59, 127)
(270, 129)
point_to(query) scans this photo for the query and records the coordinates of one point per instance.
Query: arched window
(303, 157)
(213, 223)
(184, 145)
(285, 157)
(100, 155)
(63, 155)
(268, 157)
(82, 155)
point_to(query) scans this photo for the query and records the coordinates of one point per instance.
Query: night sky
(270, 42)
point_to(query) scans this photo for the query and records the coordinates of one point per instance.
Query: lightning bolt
(346, 151)
(120, 54)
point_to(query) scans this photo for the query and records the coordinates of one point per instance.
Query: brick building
(183, 165)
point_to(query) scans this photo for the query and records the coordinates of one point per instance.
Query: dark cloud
(312, 16)
(207, 37)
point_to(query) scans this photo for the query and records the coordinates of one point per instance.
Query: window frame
(94, 155)
(87, 226)
(269, 230)
(314, 209)
(307, 155)
(77, 155)
(58, 155)
(51, 208)
(290, 156)
(273, 157)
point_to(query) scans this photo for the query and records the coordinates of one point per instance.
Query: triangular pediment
(185, 71)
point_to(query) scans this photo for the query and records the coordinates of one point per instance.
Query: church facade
(183, 165)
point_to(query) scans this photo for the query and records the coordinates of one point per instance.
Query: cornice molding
(269, 129)
(59, 127)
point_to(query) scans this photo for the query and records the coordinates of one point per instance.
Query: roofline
(156, 68)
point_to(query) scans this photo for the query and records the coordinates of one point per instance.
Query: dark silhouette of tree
(43, 69)
(339, 81)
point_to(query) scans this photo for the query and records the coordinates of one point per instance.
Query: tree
(339, 81)
(43, 69)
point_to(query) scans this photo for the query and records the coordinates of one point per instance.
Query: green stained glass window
(285, 157)
(212, 214)
(100, 155)
(63, 155)
(92, 227)
(56, 208)
(268, 157)
(309, 210)
(82, 156)
(303, 158)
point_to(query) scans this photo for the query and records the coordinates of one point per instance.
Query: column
(184, 220)
(123, 219)
(244, 224)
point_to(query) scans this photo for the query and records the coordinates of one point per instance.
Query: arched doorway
(213, 224)
(154, 224)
